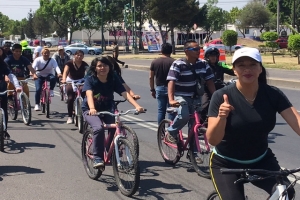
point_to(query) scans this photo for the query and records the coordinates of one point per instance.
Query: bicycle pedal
(102, 169)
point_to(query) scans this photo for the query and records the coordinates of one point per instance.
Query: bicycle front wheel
(87, 155)
(26, 112)
(131, 136)
(1, 132)
(200, 158)
(47, 103)
(213, 196)
(168, 151)
(13, 112)
(79, 115)
(128, 169)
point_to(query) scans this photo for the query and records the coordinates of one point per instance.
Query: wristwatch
(152, 90)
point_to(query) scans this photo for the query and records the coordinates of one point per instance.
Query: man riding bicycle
(182, 85)
(211, 55)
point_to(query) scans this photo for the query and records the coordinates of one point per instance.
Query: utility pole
(134, 46)
(278, 16)
(126, 10)
(294, 14)
(102, 28)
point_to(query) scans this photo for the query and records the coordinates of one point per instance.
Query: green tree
(66, 13)
(269, 38)
(173, 13)
(285, 10)
(294, 45)
(215, 19)
(234, 14)
(4, 23)
(230, 38)
(258, 20)
(28, 29)
(41, 25)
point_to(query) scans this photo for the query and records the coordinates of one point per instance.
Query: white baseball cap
(60, 47)
(247, 52)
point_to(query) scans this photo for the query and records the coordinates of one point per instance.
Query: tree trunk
(242, 32)
(273, 56)
(71, 35)
(162, 35)
(173, 41)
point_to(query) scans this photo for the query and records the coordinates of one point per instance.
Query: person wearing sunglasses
(186, 78)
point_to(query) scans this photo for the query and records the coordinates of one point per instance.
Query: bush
(294, 45)
(269, 37)
(230, 38)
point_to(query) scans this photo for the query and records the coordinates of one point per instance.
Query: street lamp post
(126, 10)
(135, 50)
(102, 29)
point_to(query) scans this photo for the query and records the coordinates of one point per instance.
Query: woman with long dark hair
(99, 87)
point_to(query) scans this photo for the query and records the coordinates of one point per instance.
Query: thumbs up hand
(225, 108)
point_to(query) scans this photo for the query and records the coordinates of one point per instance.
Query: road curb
(278, 82)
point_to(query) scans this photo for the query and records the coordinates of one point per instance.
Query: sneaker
(6, 135)
(198, 159)
(170, 138)
(37, 107)
(51, 93)
(98, 162)
(70, 120)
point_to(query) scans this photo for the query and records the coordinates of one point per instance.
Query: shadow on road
(17, 170)
(12, 147)
(272, 136)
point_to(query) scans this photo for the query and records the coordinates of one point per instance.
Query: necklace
(249, 100)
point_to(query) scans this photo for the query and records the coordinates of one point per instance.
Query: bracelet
(152, 90)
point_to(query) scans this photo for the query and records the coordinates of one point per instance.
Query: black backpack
(27, 53)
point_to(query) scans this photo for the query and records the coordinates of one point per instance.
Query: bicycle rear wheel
(61, 92)
(131, 136)
(213, 196)
(87, 155)
(1, 132)
(47, 103)
(129, 168)
(26, 112)
(13, 112)
(169, 153)
(202, 168)
(79, 117)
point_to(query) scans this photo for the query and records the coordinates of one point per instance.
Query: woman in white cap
(241, 116)
(61, 58)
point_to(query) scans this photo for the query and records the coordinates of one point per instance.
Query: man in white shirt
(38, 49)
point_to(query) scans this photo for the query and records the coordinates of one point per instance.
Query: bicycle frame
(1, 109)
(277, 195)
(113, 146)
(193, 132)
(78, 96)
(18, 99)
(44, 89)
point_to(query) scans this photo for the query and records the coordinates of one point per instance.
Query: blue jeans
(183, 115)
(163, 103)
(39, 83)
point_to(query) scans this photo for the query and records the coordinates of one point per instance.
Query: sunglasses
(193, 49)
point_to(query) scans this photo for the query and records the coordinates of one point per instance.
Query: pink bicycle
(45, 99)
(196, 143)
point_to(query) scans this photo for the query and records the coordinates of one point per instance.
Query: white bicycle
(251, 175)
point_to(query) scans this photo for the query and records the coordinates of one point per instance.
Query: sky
(18, 9)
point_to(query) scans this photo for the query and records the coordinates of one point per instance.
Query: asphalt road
(43, 161)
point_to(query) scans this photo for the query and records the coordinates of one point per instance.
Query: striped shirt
(185, 81)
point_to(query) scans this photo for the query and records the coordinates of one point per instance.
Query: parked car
(282, 43)
(71, 49)
(219, 44)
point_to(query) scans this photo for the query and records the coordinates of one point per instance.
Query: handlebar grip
(233, 171)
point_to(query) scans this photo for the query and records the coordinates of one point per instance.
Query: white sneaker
(69, 121)
(51, 93)
(37, 107)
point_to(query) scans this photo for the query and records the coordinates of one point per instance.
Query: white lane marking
(152, 126)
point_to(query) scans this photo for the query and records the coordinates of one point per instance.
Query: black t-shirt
(18, 67)
(103, 92)
(161, 67)
(3, 71)
(248, 126)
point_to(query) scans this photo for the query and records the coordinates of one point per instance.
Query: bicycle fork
(117, 152)
(4, 122)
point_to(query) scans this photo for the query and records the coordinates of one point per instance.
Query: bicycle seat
(172, 110)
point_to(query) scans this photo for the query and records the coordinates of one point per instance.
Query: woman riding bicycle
(44, 67)
(61, 58)
(100, 85)
(74, 71)
(241, 116)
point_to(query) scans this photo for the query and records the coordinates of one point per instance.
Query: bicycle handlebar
(2, 93)
(134, 111)
(76, 84)
(284, 172)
